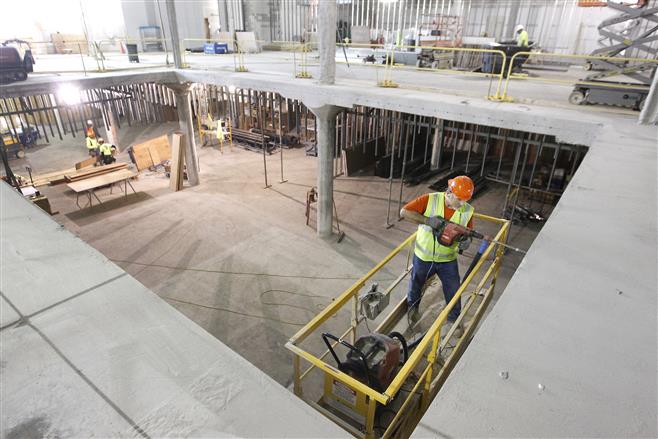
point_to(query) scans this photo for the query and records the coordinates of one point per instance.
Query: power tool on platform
(374, 358)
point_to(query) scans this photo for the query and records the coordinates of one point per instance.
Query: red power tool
(447, 233)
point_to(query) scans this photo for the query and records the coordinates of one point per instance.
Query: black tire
(435, 65)
(588, 66)
(577, 97)
(20, 154)
(21, 76)
(640, 104)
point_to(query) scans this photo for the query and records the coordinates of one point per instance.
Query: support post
(325, 119)
(437, 143)
(649, 113)
(111, 129)
(327, 41)
(173, 33)
(182, 92)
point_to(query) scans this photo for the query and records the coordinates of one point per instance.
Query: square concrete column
(649, 113)
(327, 40)
(186, 123)
(325, 121)
(173, 33)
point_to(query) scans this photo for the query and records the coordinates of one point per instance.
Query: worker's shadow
(91, 214)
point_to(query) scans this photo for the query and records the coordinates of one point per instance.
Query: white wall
(190, 16)
(37, 19)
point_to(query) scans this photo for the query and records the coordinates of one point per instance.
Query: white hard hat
(89, 122)
(518, 28)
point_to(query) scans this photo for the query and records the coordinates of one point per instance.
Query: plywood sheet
(152, 152)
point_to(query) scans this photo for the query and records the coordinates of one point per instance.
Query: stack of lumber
(47, 178)
(86, 163)
(177, 162)
(71, 174)
(254, 141)
(151, 153)
(93, 172)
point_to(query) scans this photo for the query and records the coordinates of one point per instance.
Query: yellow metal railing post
(240, 58)
(304, 74)
(388, 82)
(355, 315)
(297, 386)
(431, 359)
(370, 419)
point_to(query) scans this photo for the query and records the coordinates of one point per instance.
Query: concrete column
(111, 131)
(649, 114)
(173, 33)
(512, 19)
(222, 10)
(326, 132)
(327, 40)
(186, 123)
(436, 147)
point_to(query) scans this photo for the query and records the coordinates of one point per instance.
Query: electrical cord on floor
(242, 273)
(320, 306)
(218, 308)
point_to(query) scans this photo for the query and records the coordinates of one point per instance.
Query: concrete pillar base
(326, 132)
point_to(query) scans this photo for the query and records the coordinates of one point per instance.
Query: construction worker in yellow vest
(92, 145)
(430, 257)
(107, 151)
(521, 36)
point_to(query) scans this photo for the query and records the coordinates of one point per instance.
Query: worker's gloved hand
(464, 243)
(435, 222)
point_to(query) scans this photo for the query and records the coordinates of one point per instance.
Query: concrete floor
(539, 87)
(236, 258)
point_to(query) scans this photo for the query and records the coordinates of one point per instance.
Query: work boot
(413, 315)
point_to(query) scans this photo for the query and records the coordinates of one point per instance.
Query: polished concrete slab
(98, 354)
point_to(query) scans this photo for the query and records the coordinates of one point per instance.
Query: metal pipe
(262, 136)
(390, 182)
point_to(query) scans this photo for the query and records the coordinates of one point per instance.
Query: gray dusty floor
(236, 258)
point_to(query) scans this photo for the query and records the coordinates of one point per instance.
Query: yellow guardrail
(236, 48)
(390, 64)
(505, 97)
(102, 56)
(428, 380)
(89, 52)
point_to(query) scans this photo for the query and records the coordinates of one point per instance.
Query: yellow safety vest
(522, 39)
(92, 143)
(427, 247)
(106, 149)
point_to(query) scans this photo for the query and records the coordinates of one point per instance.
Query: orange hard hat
(462, 186)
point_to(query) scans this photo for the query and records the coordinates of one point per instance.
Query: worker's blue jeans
(448, 273)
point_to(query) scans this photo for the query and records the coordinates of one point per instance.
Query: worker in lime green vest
(92, 145)
(107, 151)
(430, 257)
(521, 36)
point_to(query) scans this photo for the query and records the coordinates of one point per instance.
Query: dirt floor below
(239, 259)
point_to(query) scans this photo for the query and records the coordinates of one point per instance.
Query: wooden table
(89, 185)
